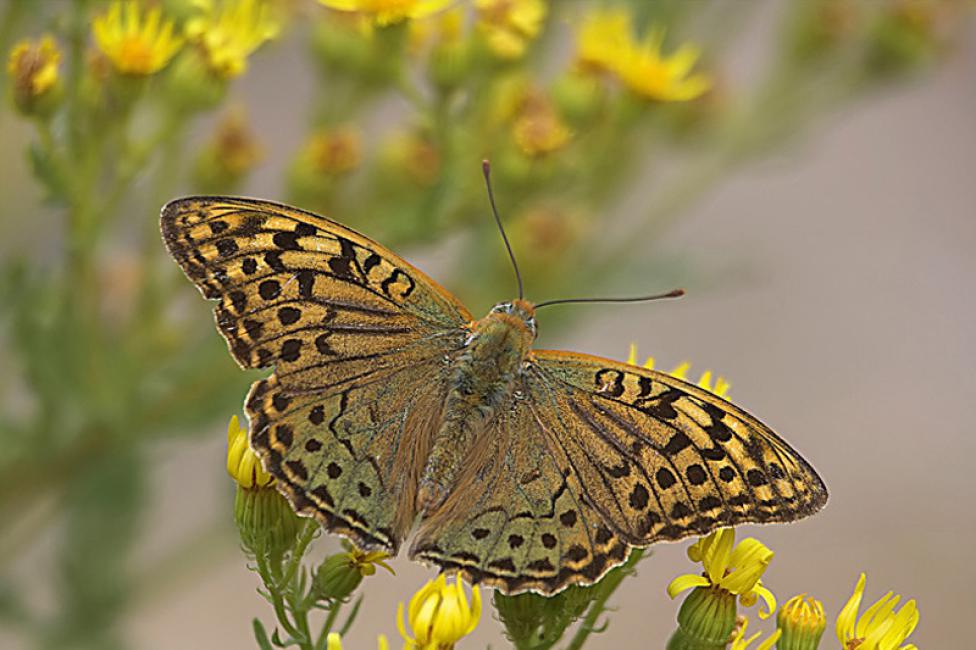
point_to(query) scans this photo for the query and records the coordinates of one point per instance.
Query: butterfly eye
(502, 307)
(531, 323)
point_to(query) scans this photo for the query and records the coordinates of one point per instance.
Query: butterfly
(392, 409)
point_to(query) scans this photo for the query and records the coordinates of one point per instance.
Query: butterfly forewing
(357, 338)
(662, 459)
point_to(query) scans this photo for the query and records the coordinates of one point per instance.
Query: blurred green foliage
(106, 349)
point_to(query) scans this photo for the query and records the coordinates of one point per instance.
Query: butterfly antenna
(677, 293)
(486, 169)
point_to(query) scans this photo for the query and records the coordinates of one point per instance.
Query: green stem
(277, 600)
(607, 587)
(327, 626)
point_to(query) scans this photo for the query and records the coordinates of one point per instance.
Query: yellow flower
(439, 614)
(739, 642)
(604, 39)
(235, 149)
(136, 45)
(334, 151)
(33, 68)
(242, 463)
(538, 130)
(880, 627)
(366, 561)
(387, 12)
(720, 387)
(650, 74)
(509, 25)
(233, 33)
(734, 570)
(802, 622)
(605, 43)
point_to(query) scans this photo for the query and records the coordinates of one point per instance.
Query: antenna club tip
(677, 293)
(485, 167)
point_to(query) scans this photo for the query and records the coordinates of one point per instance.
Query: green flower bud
(803, 623)
(532, 620)
(339, 575)
(265, 520)
(705, 621)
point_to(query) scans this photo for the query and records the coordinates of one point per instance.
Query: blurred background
(809, 181)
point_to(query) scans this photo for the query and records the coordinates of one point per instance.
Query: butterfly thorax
(482, 381)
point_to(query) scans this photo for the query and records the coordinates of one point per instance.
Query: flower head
(538, 130)
(802, 622)
(605, 43)
(137, 45)
(649, 73)
(439, 614)
(230, 155)
(387, 12)
(334, 152)
(604, 39)
(509, 25)
(739, 642)
(231, 34)
(720, 386)
(33, 68)
(880, 627)
(340, 574)
(735, 569)
(242, 463)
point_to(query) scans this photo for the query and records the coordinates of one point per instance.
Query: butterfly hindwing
(520, 520)
(357, 339)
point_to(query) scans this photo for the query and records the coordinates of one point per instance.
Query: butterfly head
(520, 311)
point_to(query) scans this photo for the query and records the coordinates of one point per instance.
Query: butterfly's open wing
(356, 336)
(596, 456)
(662, 459)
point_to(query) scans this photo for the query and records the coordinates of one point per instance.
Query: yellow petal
(767, 597)
(848, 615)
(685, 582)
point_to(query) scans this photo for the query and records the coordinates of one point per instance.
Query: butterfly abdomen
(482, 382)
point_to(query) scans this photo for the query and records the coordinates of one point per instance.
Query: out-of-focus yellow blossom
(802, 622)
(334, 151)
(33, 69)
(242, 463)
(509, 25)
(416, 156)
(720, 386)
(605, 42)
(333, 641)
(880, 627)
(604, 39)
(736, 569)
(136, 45)
(538, 130)
(663, 78)
(231, 154)
(235, 146)
(444, 29)
(229, 31)
(739, 642)
(439, 614)
(387, 12)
